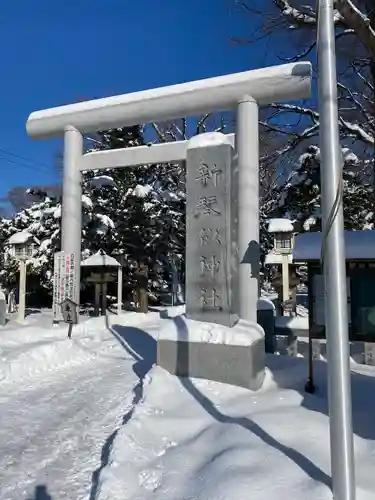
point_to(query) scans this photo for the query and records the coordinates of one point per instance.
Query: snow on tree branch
(359, 22)
(353, 129)
(346, 15)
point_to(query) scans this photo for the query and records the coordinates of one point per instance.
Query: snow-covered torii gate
(244, 91)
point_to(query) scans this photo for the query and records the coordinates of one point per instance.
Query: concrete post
(119, 290)
(71, 223)
(22, 293)
(247, 147)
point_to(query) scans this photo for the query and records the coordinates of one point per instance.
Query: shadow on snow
(142, 348)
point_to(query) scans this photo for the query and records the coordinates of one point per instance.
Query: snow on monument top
(280, 226)
(208, 139)
(20, 238)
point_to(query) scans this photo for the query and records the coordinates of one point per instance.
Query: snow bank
(187, 330)
(194, 439)
(29, 352)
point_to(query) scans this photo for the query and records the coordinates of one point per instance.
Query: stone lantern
(102, 266)
(22, 248)
(283, 231)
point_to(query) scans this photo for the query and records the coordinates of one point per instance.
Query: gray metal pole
(71, 223)
(247, 149)
(340, 411)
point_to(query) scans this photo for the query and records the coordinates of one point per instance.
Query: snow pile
(194, 439)
(187, 330)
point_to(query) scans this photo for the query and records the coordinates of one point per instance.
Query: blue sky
(54, 53)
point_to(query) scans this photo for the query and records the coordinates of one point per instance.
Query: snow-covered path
(56, 430)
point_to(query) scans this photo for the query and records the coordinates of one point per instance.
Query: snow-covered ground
(201, 440)
(93, 419)
(61, 402)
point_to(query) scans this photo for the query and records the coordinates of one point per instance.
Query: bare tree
(290, 27)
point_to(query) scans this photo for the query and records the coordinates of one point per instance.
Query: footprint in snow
(167, 443)
(150, 479)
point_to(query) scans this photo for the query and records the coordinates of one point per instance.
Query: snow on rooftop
(20, 238)
(280, 226)
(359, 245)
(102, 180)
(100, 259)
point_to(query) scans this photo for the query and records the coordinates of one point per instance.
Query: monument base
(235, 356)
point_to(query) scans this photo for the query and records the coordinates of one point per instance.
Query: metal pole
(71, 224)
(340, 410)
(247, 149)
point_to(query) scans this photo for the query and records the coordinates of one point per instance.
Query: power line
(30, 160)
(23, 165)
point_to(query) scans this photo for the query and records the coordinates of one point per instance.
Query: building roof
(359, 245)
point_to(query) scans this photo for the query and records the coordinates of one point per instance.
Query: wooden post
(97, 298)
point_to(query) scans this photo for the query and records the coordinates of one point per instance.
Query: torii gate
(244, 91)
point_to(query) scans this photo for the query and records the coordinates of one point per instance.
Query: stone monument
(211, 231)
(211, 341)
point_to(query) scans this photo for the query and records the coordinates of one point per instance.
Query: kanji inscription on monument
(211, 232)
